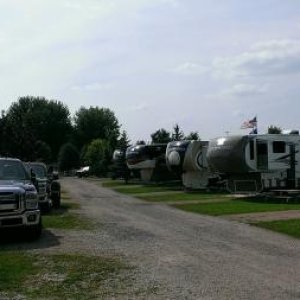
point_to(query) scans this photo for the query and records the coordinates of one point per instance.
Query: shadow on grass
(16, 239)
(272, 200)
(63, 209)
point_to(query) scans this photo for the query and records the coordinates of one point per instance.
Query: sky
(207, 65)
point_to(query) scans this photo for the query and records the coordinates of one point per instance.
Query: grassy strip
(62, 218)
(289, 227)
(235, 207)
(61, 276)
(112, 183)
(145, 189)
(182, 196)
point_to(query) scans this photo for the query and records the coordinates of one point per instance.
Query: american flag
(249, 123)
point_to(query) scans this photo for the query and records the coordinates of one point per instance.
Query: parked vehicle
(83, 172)
(257, 162)
(42, 184)
(54, 186)
(18, 198)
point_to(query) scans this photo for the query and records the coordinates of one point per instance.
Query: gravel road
(181, 255)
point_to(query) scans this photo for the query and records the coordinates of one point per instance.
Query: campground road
(182, 255)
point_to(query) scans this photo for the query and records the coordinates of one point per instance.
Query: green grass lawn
(235, 207)
(69, 276)
(289, 227)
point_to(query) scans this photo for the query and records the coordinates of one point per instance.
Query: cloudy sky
(207, 65)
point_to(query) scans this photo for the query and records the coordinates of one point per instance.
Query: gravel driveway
(181, 255)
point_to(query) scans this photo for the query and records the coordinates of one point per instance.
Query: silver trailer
(256, 162)
(188, 159)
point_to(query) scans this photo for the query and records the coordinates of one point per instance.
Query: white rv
(257, 162)
(188, 159)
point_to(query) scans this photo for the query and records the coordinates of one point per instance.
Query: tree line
(38, 129)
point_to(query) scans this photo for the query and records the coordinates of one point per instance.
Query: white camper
(257, 162)
(188, 159)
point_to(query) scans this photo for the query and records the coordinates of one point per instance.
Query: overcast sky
(207, 65)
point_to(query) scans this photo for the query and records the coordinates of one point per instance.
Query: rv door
(262, 154)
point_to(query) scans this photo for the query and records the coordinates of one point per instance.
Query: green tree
(98, 156)
(274, 129)
(96, 123)
(193, 135)
(68, 157)
(160, 136)
(33, 119)
(42, 152)
(119, 168)
(177, 134)
(2, 127)
(123, 142)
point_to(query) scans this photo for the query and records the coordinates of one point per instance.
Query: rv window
(278, 147)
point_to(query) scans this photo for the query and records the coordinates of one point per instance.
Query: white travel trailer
(188, 159)
(257, 162)
(149, 160)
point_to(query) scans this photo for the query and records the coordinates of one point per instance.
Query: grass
(15, 267)
(68, 276)
(235, 207)
(113, 183)
(290, 227)
(140, 189)
(182, 196)
(134, 188)
(63, 218)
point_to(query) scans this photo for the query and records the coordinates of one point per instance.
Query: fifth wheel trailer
(188, 159)
(256, 162)
(150, 161)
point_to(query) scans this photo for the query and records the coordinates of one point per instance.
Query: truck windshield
(12, 170)
(39, 171)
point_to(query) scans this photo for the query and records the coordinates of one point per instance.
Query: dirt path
(180, 255)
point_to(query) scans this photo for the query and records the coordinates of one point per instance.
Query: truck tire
(56, 200)
(33, 232)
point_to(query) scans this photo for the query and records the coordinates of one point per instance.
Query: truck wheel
(56, 200)
(46, 207)
(33, 232)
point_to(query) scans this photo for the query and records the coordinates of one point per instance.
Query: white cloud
(94, 86)
(140, 107)
(275, 57)
(190, 68)
(246, 90)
